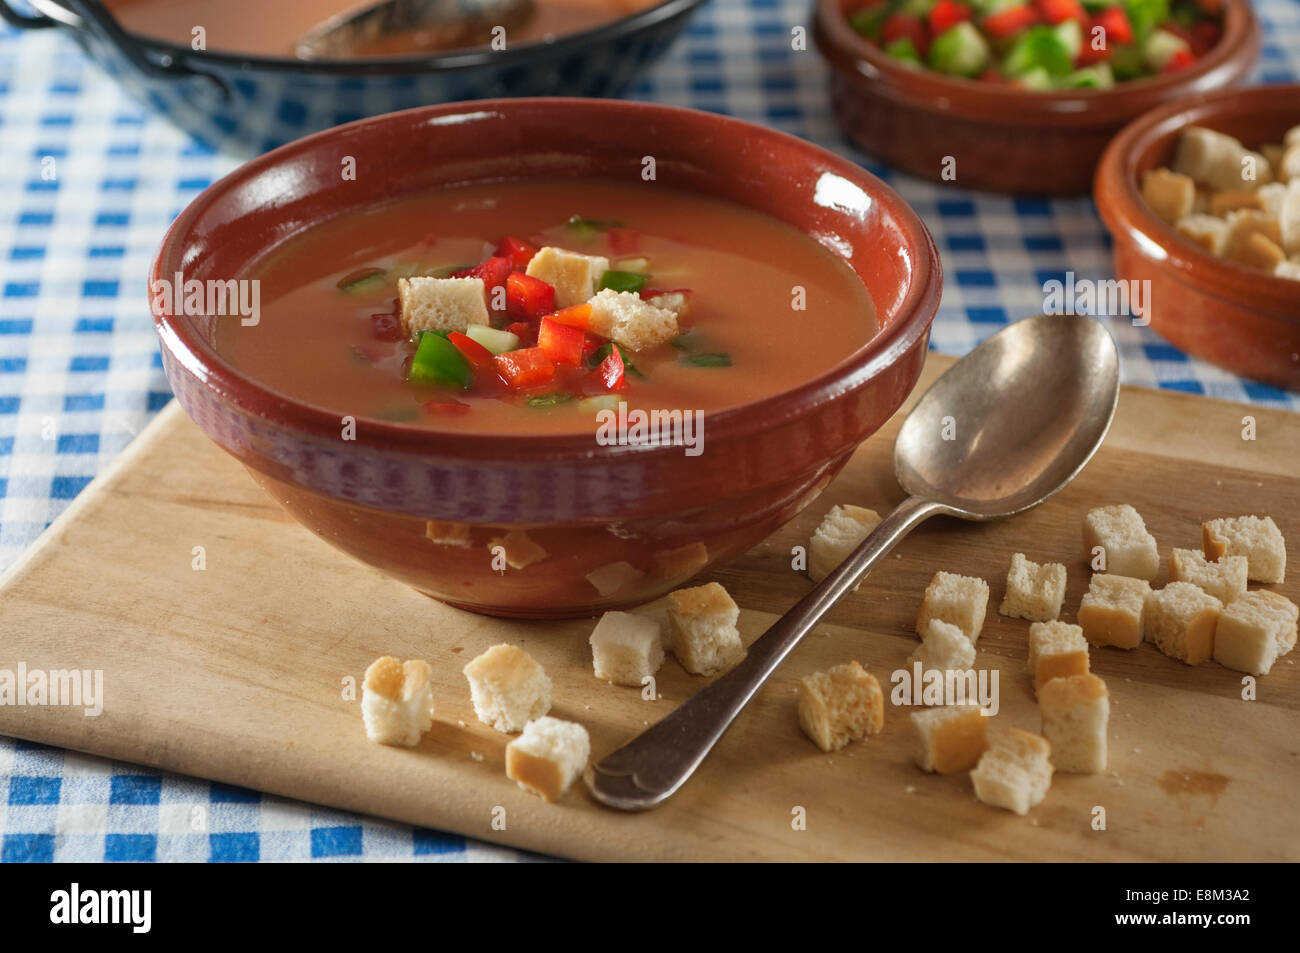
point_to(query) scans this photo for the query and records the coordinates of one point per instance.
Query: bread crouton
(1015, 772)
(1255, 537)
(508, 688)
(840, 705)
(1180, 620)
(626, 648)
(702, 623)
(959, 600)
(574, 277)
(1075, 712)
(441, 304)
(1111, 612)
(943, 647)
(1208, 231)
(1056, 650)
(1214, 159)
(397, 701)
(1122, 536)
(1034, 592)
(949, 739)
(630, 322)
(1170, 195)
(1225, 579)
(1255, 631)
(548, 757)
(841, 531)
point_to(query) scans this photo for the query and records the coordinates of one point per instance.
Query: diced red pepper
(386, 327)
(563, 344)
(475, 353)
(528, 297)
(1114, 21)
(575, 316)
(905, 26)
(991, 76)
(611, 372)
(451, 408)
(517, 250)
(494, 272)
(946, 14)
(1058, 11)
(1205, 36)
(623, 241)
(1009, 21)
(1180, 60)
(1089, 56)
(524, 368)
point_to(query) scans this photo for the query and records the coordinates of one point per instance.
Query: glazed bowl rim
(1125, 213)
(451, 61)
(854, 55)
(915, 312)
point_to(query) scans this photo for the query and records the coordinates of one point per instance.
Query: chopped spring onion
(603, 352)
(716, 359)
(550, 400)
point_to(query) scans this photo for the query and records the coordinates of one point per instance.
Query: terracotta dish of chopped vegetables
(1041, 45)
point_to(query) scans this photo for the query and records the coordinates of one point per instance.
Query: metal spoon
(435, 25)
(1003, 429)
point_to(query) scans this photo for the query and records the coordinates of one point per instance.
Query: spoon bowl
(1013, 421)
(432, 24)
(1005, 428)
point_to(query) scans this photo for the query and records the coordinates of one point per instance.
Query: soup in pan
(261, 28)
(531, 306)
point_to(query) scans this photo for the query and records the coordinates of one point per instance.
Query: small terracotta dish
(1242, 319)
(1003, 138)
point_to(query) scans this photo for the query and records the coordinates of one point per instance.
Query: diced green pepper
(707, 360)
(585, 229)
(904, 50)
(437, 361)
(960, 51)
(622, 281)
(1146, 15)
(1098, 76)
(1038, 47)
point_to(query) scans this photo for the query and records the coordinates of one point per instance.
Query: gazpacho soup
(526, 307)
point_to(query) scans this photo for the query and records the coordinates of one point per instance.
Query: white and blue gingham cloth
(89, 181)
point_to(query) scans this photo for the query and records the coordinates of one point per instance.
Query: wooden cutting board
(237, 672)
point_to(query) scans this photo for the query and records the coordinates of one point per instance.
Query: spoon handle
(653, 765)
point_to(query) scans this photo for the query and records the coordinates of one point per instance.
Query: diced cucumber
(1146, 15)
(1160, 48)
(1036, 78)
(1092, 77)
(597, 404)
(1071, 34)
(498, 342)
(904, 50)
(362, 280)
(638, 263)
(1038, 46)
(960, 51)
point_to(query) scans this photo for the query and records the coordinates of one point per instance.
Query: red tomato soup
(530, 307)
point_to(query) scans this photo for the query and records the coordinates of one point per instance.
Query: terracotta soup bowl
(617, 525)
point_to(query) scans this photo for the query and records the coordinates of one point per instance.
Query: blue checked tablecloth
(80, 373)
